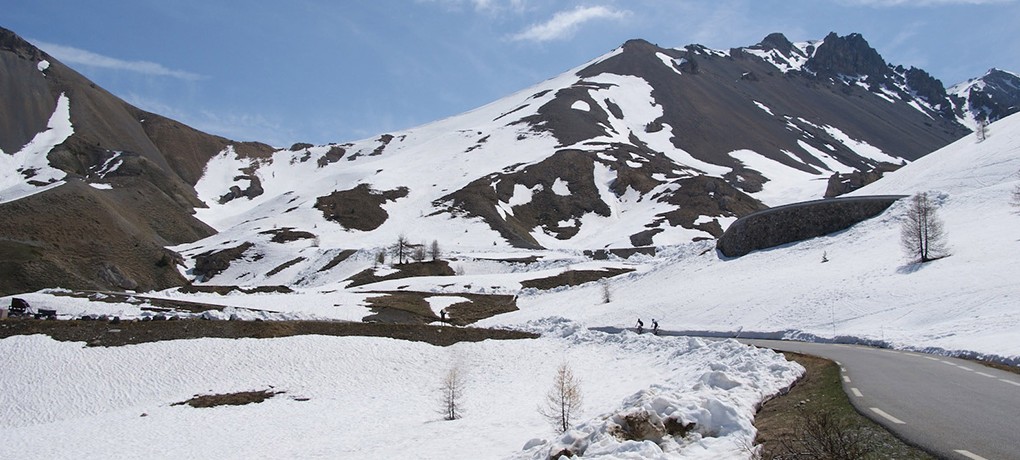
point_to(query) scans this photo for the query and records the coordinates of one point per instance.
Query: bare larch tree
(923, 235)
(451, 392)
(563, 401)
(434, 252)
(401, 250)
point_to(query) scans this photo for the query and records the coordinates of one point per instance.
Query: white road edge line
(847, 379)
(969, 454)
(885, 415)
(856, 392)
(985, 375)
(1010, 382)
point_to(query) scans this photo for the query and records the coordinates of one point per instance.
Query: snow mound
(703, 408)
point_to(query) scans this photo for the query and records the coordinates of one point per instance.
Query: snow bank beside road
(366, 396)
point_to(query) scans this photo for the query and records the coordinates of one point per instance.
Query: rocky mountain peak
(849, 56)
(778, 42)
(11, 42)
(991, 97)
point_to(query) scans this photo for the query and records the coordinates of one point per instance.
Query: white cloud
(486, 6)
(564, 23)
(888, 3)
(71, 55)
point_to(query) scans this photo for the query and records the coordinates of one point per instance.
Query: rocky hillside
(93, 188)
(989, 98)
(642, 146)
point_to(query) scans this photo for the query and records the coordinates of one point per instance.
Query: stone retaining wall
(798, 222)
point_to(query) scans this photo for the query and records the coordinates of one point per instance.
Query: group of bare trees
(403, 251)
(560, 406)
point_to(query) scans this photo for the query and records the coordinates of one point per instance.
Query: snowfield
(359, 397)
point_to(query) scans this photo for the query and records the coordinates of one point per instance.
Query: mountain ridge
(642, 146)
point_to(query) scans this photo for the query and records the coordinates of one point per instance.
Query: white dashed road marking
(846, 379)
(985, 375)
(887, 416)
(966, 368)
(856, 392)
(931, 358)
(1010, 382)
(970, 455)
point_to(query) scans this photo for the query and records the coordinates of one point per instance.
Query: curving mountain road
(953, 408)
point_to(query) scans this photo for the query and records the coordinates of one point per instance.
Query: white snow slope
(357, 397)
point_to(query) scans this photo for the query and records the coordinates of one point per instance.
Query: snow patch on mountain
(28, 171)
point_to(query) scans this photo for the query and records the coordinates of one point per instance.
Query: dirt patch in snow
(359, 208)
(211, 263)
(413, 307)
(287, 234)
(229, 399)
(573, 278)
(411, 270)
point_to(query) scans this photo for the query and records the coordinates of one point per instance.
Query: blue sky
(335, 71)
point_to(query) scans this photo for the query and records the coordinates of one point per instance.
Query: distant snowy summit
(643, 146)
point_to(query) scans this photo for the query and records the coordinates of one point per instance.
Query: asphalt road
(953, 408)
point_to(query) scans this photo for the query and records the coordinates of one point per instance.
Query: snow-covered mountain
(991, 97)
(643, 146)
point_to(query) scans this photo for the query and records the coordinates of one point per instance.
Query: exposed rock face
(359, 208)
(716, 107)
(778, 42)
(253, 190)
(545, 209)
(991, 97)
(840, 184)
(851, 55)
(798, 222)
(212, 263)
(930, 89)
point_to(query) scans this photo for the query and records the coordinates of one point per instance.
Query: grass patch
(818, 407)
(999, 366)
(229, 399)
(103, 334)
(573, 278)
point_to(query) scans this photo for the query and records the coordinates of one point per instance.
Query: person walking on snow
(640, 326)
(655, 327)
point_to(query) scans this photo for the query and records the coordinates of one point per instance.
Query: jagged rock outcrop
(989, 98)
(843, 183)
